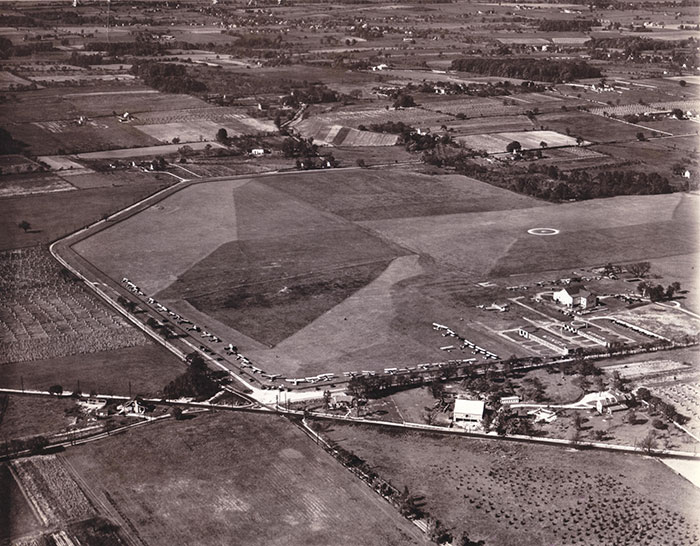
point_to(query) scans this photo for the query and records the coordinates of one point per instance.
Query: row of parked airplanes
(245, 362)
(465, 342)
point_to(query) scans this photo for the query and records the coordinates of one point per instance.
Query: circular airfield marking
(543, 231)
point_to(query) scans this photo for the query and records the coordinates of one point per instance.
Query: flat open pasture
(397, 193)
(497, 124)
(515, 494)
(236, 478)
(477, 107)
(591, 233)
(70, 103)
(337, 135)
(45, 315)
(590, 127)
(26, 416)
(142, 370)
(156, 246)
(235, 119)
(77, 208)
(279, 274)
(494, 143)
(354, 116)
(66, 136)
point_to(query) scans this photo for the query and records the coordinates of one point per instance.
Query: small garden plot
(44, 313)
(51, 489)
(495, 143)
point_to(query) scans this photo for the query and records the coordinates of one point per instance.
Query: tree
(404, 101)
(682, 83)
(326, 399)
(649, 442)
(640, 136)
(578, 421)
(26, 226)
(196, 361)
(222, 136)
(639, 269)
(513, 146)
(543, 144)
(632, 418)
(677, 113)
(56, 389)
(177, 413)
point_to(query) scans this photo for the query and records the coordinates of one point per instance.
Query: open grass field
(243, 478)
(337, 135)
(497, 243)
(146, 369)
(495, 143)
(397, 193)
(27, 416)
(77, 208)
(511, 494)
(45, 314)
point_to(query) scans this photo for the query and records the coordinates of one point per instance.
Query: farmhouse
(575, 295)
(611, 401)
(468, 413)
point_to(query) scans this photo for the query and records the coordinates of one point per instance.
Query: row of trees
(548, 70)
(656, 292)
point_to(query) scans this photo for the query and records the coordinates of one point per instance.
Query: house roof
(471, 407)
(577, 290)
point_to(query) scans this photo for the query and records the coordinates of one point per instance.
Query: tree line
(548, 70)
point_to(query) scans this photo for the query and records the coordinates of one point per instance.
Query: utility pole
(109, 4)
(21, 380)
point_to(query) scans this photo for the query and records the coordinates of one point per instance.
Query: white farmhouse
(575, 295)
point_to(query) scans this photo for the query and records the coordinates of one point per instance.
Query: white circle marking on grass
(543, 231)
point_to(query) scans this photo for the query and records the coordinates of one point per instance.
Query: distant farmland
(236, 478)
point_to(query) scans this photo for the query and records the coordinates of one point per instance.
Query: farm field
(512, 494)
(29, 184)
(26, 416)
(78, 208)
(16, 516)
(45, 314)
(146, 369)
(337, 135)
(183, 486)
(494, 143)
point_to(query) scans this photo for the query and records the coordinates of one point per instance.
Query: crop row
(44, 313)
(53, 492)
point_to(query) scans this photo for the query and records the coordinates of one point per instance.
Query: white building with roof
(468, 413)
(575, 295)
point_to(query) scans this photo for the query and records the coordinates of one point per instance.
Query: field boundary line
(38, 513)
